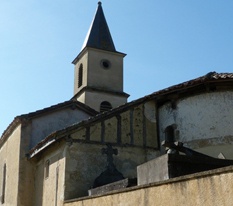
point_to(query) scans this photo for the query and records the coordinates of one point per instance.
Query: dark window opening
(170, 134)
(80, 75)
(47, 163)
(105, 106)
(3, 184)
(105, 64)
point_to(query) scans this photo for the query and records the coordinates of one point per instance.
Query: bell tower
(98, 76)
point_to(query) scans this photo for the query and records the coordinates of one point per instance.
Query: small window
(3, 184)
(47, 164)
(80, 75)
(105, 106)
(170, 134)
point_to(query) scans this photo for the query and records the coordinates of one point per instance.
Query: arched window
(80, 75)
(170, 134)
(47, 164)
(105, 106)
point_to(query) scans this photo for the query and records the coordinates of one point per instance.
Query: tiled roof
(210, 77)
(24, 117)
(72, 103)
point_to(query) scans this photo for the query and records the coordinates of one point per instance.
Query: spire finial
(99, 36)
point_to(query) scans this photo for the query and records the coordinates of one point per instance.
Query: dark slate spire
(99, 36)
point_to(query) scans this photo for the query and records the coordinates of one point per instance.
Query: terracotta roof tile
(19, 119)
(210, 77)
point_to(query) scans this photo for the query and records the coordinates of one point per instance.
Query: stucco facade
(44, 125)
(53, 155)
(95, 75)
(85, 162)
(43, 142)
(10, 157)
(17, 173)
(94, 83)
(206, 188)
(137, 130)
(76, 159)
(98, 75)
(49, 177)
(201, 120)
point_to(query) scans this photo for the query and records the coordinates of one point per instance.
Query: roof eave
(154, 96)
(85, 49)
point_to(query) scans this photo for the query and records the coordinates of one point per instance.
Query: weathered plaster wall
(126, 127)
(96, 76)
(46, 124)
(132, 132)
(112, 78)
(84, 62)
(150, 124)
(50, 190)
(110, 133)
(136, 126)
(9, 155)
(85, 163)
(202, 117)
(95, 132)
(93, 99)
(207, 188)
(26, 170)
(14, 150)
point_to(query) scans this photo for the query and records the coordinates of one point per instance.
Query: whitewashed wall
(200, 117)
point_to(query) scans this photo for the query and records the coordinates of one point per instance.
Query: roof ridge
(20, 118)
(209, 77)
(55, 106)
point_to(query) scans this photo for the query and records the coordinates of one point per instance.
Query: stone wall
(206, 188)
(85, 163)
(132, 132)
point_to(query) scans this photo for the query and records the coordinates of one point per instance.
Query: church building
(60, 154)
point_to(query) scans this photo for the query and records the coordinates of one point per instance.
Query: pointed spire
(99, 36)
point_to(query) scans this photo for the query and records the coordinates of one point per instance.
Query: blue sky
(166, 41)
